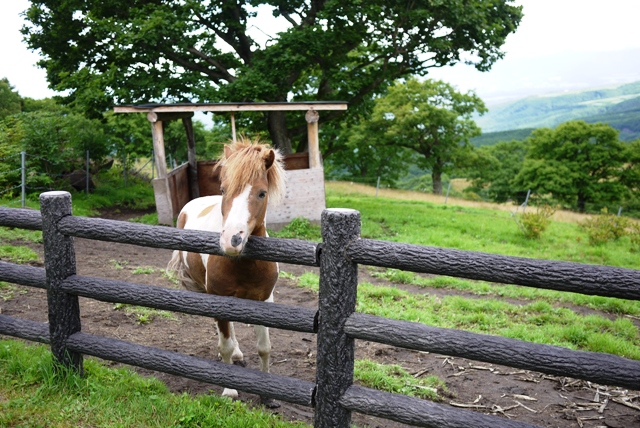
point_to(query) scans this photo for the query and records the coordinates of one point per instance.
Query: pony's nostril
(236, 240)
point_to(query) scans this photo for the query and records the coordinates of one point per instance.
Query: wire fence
(35, 174)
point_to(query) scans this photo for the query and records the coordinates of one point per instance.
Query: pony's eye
(262, 194)
(222, 190)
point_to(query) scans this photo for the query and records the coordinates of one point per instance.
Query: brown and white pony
(251, 175)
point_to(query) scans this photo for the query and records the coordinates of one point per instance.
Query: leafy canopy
(577, 163)
(115, 51)
(430, 118)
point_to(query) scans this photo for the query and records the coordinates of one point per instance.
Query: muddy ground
(520, 395)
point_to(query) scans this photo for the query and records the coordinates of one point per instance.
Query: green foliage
(395, 379)
(35, 394)
(634, 236)
(299, 228)
(494, 168)
(605, 227)
(429, 118)
(533, 224)
(172, 51)
(10, 101)
(577, 163)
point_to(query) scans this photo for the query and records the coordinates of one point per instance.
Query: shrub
(634, 235)
(605, 227)
(533, 224)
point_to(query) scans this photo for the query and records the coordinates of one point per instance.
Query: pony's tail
(179, 269)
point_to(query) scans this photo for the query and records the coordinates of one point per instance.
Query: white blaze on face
(234, 231)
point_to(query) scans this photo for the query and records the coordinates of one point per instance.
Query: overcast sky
(561, 45)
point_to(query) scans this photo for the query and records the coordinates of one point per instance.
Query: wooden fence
(333, 396)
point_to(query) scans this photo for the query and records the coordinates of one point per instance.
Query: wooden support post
(312, 118)
(233, 127)
(60, 263)
(158, 144)
(337, 296)
(193, 163)
(161, 189)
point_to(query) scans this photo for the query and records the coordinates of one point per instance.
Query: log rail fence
(333, 396)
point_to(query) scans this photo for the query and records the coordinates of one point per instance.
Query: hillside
(618, 106)
(491, 138)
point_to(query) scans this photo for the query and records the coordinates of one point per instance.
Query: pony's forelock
(246, 162)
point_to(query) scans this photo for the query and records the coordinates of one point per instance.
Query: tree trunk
(436, 176)
(581, 202)
(277, 124)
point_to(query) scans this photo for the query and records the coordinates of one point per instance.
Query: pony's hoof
(269, 402)
(240, 363)
(231, 393)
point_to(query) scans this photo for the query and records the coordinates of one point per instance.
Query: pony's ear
(227, 152)
(269, 158)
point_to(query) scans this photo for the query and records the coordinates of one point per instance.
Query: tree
(115, 51)
(494, 168)
(10, 101)
(430, 118)
(577, 163)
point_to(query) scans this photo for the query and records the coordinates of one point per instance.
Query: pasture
(575, 321)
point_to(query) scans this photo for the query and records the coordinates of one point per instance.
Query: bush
(634, 235)
(605, 227)
(533, 224)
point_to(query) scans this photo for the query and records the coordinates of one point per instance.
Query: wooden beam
(153, 116)
(226, 107)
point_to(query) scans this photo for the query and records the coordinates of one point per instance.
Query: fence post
(446, 198)
(526, 201)
(60, 263)
(336, 302)
(23, 162)
(377, 186)
(87, 183)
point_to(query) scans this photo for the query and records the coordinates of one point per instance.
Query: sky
(560, 46)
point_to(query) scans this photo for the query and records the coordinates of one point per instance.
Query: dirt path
(493, 389)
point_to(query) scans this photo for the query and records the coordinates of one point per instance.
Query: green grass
(538, 321)
(395, 379)
(33, 394)
(299, 228)
(143, 314)
(18, 254)
(477, 229)
(606, 304)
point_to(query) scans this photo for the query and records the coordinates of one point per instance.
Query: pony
(251, 176)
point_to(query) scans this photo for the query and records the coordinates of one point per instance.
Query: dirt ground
(531, 397)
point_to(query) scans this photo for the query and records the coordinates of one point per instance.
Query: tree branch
(223, 70)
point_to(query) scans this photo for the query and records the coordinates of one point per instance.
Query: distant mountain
(618, 106)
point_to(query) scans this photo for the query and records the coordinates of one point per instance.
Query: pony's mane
(245, 164)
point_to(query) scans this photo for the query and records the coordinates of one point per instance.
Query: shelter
(305, 195)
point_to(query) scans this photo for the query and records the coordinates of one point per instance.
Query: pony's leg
(264, 350)
(229, 349)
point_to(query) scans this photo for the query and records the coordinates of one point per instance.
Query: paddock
(333, 396)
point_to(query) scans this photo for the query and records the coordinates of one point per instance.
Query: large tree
(115, 51)
(577, 163)
(10, 100)
(430, 118)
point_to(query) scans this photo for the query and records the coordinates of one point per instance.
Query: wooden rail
(333, 395)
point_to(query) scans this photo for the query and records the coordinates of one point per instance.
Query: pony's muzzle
(232, 246)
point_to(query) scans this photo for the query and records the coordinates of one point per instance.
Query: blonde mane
(245, 164)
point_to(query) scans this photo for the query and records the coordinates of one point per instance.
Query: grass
(143, 314)
(606, 304)
(538, 321)
(33, 394)
(17, 254)
(395, 379)
(475, 229)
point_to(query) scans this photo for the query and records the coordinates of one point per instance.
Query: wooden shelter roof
(231, 107)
